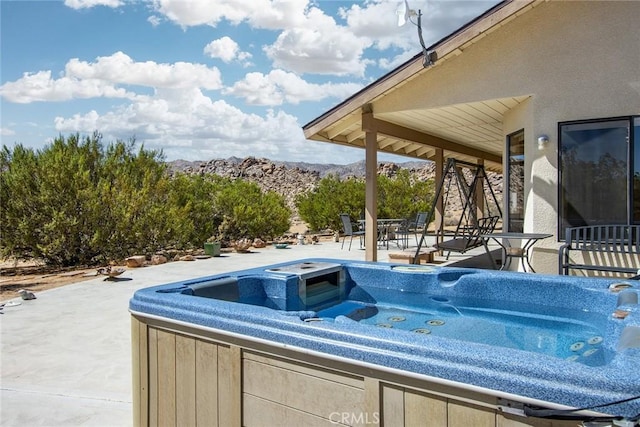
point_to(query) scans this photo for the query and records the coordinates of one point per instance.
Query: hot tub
(355, 343)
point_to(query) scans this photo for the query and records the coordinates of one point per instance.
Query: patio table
(384, 228)
(509, 252)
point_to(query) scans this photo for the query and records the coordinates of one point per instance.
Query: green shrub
(190, 209)
(244, 211)
(398, 197)
(321, 207)
(20, 209)
(75, 202)
(133, 189)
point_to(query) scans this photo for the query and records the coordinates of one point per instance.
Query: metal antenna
(405, 14)
(429, 57)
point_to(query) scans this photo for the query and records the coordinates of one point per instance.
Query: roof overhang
(466, 131)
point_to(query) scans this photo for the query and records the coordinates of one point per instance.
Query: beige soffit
(467, 131)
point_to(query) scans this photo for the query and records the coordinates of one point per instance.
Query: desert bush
(242, 210)
(133, 188)
(321, 207)
(402, 197)
(76, 202)
(398, 197)
(20, 211)
(190, 209)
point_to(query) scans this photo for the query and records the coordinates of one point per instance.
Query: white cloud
(186, 124)
(309, 40)
(265, 14)
(34, 87)
(320, 46)
(396, 61)
(154, 20)
(6, 132)
(276, 15)
(377, 22)
(279, 87)
(168, 105)
(101, 78)
(85, 4)
(203, 12)
(227, 50)
(120, 68)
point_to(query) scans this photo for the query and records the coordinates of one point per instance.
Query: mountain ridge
(356, 169)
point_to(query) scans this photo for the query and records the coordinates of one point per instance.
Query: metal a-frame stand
(469, 191)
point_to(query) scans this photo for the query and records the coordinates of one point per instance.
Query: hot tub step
(424, 256)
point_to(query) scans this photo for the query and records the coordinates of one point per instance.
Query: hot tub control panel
(319, 283)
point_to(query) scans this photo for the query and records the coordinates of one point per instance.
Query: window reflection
(636, 170)
(515, 179)
(594, 173)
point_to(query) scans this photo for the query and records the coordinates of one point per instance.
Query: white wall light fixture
(543, 141)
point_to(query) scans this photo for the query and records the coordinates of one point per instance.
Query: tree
(133, 189)
(321, 207)
(49, 205)
(190, 209)
(73, 203)
(244, 211)
(402, 197)
(398, 197)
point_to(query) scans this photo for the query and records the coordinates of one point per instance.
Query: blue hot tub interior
(560, 331)
(569, 334)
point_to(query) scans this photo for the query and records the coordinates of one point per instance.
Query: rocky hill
(292, 178)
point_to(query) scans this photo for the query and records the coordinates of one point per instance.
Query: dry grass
(37, 277)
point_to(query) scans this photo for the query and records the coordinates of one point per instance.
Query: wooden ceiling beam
(370, 123)
(340, 126)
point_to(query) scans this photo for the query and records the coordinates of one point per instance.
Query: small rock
(242, 245)
(158, 259)
(187, 258)
(26, 295)
(111, 271)
(135, 261)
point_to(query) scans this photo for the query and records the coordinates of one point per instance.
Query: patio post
(439, 214)
(480, 193)
(371, 185)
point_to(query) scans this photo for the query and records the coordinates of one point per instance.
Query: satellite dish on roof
(402, 12)
(405, 14)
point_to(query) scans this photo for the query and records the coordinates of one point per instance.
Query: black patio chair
(410, 227)
(348, 230)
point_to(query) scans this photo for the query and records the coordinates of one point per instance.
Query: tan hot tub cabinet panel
(191, 376)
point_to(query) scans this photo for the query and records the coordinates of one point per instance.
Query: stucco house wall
(575, 59)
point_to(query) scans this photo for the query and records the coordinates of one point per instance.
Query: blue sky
(201, 79)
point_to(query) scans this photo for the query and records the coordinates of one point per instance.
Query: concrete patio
(66, 358)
